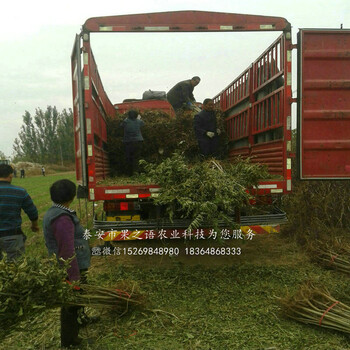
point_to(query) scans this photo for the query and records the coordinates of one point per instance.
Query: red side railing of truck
(97, 106)
(257, 105)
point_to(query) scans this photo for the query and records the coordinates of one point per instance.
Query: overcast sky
(36, 40)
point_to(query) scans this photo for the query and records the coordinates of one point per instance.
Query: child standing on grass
(64, 236)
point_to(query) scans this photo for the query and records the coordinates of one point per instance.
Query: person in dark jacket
(181, 95)
(206, 130)
(13, 199)
(132, 140)
(64, 237)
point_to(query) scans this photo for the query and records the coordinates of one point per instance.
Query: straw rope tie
(324, 314)
(333, 257)
(121, 292)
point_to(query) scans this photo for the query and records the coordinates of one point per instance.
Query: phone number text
(174, 251)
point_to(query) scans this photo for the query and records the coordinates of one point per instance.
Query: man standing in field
(12, 200)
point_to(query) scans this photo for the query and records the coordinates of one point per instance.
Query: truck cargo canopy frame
(186, 21)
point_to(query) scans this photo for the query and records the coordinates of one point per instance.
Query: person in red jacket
(64, 237)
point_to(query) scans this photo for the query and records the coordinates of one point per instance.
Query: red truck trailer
(257, 106)
(144, 105)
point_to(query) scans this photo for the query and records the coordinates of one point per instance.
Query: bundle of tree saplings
(206, 191)
(163, 135)
(316, 306)
(333, 256)
(31, 285)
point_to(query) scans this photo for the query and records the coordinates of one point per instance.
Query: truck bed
(123, 180)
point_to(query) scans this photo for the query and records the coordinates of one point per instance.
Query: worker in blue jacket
(13, 200)
(132, 140)
(206, 130)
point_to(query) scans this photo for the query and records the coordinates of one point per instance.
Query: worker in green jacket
(181, 95)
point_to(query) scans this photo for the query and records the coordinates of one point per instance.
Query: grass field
(192, 302)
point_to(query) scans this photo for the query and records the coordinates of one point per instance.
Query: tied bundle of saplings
(31, 285)
(331, 255)
(316, 306)
(205, 192)
(163, 135)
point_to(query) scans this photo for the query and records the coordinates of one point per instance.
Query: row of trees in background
(47, 137)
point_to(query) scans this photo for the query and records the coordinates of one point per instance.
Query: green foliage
(199, 302)
(31, 285)
(162, 134)
(318, 210)
(313, 305)
(65, 135)
(205, 192)
(2, 155)
(28, 287)
(46, 138)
